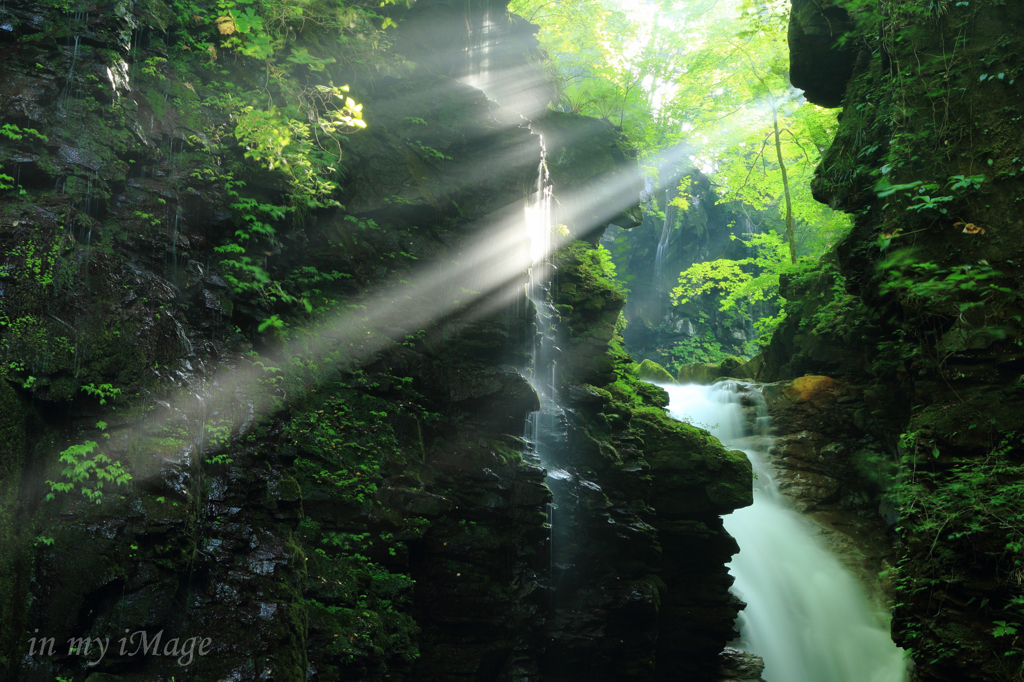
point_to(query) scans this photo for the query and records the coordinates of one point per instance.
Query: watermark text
(139, 643)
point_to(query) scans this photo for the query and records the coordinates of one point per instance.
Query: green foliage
(351, 441)
(915, 192)
(601, 261)
(953, 506)
(965, 497)
(217, 435)
(243, 272)
(103, 392)
(32, 346)
(592, 267)
(277, 140)
(740, 283)
(1004, 629)
(958, 289)
(357, 604)
(14, 133)
(775, 162)
(945, 310)
(258, 81)
(702, 348)
(842, 315)
(87, 473)
(273, 323)
(430, 152)
(41, 265)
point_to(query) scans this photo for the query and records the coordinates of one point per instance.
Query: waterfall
(519, 89)
(546, 430)
(806, 615)
(666, 234)
(68, 83)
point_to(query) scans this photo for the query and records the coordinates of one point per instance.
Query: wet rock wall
(334, 495)
(935, 359)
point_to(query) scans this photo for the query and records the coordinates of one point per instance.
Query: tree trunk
(790, 235)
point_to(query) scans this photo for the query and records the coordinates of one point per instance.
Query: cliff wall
(921, 308)
(306, 344)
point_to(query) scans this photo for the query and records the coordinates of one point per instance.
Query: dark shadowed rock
(816, 64)
(595, 175)
(740, 666)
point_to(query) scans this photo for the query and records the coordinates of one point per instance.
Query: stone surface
(649, 370)
(740, 666)
(821, 457)
(923, 372)
(817, 64)
(353, 500)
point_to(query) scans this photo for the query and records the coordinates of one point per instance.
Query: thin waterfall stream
(546, 429)
(806, 615)
(666, 234)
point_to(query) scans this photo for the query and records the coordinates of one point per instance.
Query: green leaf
(1003, 629)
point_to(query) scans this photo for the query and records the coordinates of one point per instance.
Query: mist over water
(806, 615)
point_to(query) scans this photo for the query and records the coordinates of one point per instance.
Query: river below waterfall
(806, 615)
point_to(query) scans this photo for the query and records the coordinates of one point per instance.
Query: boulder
(649, 370)
(739, 666)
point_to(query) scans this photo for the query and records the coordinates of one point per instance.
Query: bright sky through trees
(701, 84)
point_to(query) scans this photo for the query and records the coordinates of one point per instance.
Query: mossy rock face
(708, 373)
(691, 471)
(729, 365)
(933, 365)
(749, 370)
(649, 370)
(585, 283)
(652, 394)
(699, 373)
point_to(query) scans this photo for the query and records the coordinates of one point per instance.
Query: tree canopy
(698, 80)
(701, 84)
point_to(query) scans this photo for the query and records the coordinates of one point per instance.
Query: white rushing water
(806, 615)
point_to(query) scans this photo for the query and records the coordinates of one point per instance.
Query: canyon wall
(319, 393)
(919, 315)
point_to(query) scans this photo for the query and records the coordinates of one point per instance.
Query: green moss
(586, 282)
(699, 373)
(355, 606)
(288, 489)
(691, 470)
(649, 370)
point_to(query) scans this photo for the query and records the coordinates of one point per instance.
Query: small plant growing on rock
(103, 391)
(82, 469)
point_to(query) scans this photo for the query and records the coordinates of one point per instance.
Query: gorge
(321, 322)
